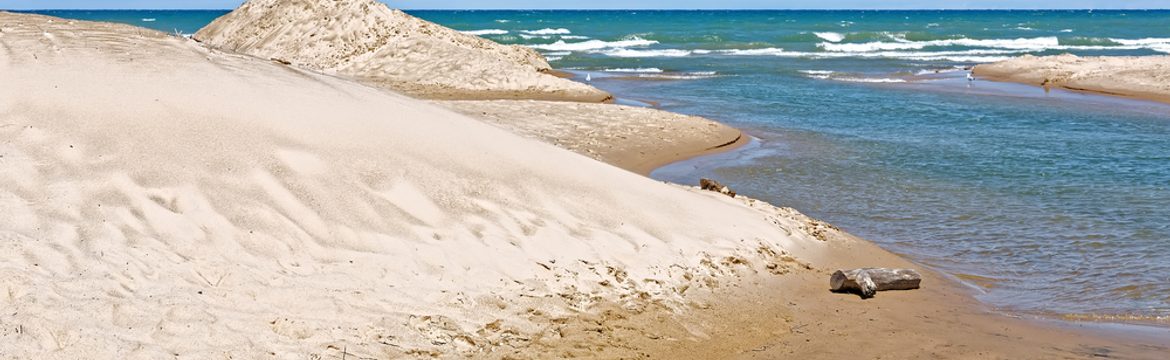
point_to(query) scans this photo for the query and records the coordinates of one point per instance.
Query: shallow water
(1053, 204)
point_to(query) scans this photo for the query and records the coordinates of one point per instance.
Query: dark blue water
(1053, 204)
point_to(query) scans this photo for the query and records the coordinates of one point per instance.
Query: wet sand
(633, 138)
(1137, 77)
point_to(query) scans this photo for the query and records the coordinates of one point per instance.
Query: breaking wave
(635, 70)
(985, 55)
(550, 31)
(1027, 44)
(594, 44)
(830, 36)
(486, 32)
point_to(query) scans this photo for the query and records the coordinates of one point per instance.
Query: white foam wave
(832, 75)
(1142, 42)
(1021, 44)
(830, 36)
(632, 53)
(682, 76)
(974, 55)
(594, 44)
(554, 58)
(754, 52)
(817, 73)
(868, 80)
(148, 19)
(1066, 30)
(635, 70)
(530, 37)
(547, 31)
(485, 32)
(1040, 43)
(574, 37)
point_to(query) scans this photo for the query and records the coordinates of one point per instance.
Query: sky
(624, 4)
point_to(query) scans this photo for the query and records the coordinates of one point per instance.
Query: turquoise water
(1049, 203)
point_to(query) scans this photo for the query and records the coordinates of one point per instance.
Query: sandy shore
(794, 317)
(1140, 77)
(632, 138)
(170, 200)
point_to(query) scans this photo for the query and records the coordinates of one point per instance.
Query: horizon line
(634, 9)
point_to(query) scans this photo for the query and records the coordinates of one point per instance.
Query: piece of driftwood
(712, 185)
(868, 281)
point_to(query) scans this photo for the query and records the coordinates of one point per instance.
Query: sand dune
(1145, 77)
(367, 40)
(161, 199)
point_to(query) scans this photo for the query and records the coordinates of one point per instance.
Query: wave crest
(485, 32)
(561, 45)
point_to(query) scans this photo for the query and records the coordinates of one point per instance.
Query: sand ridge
(367, 40)
(1143, 77)
(633, 138)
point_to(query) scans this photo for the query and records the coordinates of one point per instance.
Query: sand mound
(1137, 76)
(366, 39)
(160, 199)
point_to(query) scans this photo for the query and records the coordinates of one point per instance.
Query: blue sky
(622, 4)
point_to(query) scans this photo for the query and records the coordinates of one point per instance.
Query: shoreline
(1052, 327)
(652, 165)
(706, 161)
(1134, 95)
(637, 139)
(301, 179)
(1129, 77)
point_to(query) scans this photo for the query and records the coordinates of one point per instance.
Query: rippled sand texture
(367, 40)
(160, 198)
(1144, 77)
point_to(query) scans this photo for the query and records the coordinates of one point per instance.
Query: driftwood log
(712, 185)
(868, 281)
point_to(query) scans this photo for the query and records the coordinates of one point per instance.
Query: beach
(173, 198)
(1144, 77)
(633, 138)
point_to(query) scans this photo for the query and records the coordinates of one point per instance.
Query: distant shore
(1136, 77)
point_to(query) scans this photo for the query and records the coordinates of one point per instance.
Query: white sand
(159, 199)
(367, 40)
